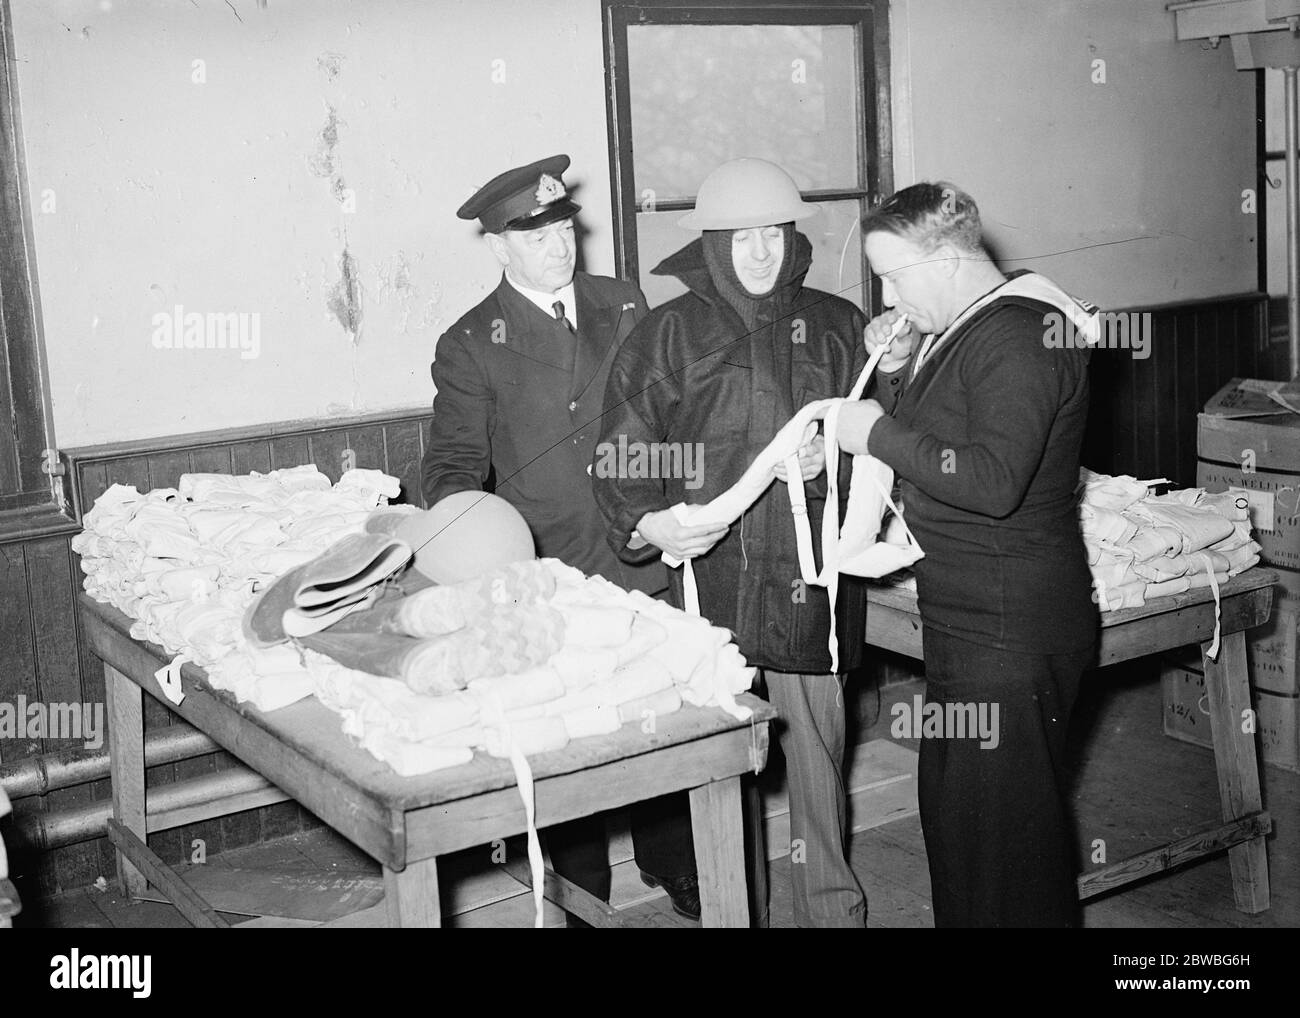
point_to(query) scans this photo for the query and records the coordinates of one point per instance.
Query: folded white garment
(589, 626)
(373, 486)
(272, 692)
(1101, 524)
(1111, 492)
(600, 720)
(220, 527)
(1175, 586)
(1128, 595)
(539, 736)
(1155, 542)
(501, 693)
(1197, 528)
(646, 709)
(409, 758)
(579, 667)
(630, 682)
(193, 583)
(645, 636)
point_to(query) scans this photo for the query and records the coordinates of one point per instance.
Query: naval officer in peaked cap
(520, 381)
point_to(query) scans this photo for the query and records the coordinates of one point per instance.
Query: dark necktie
(558, 308)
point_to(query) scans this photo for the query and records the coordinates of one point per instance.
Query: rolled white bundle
(390, 703)
(646, 635)
(603, 720)
(369, 485)
(271, 692)
(184, 584)
(504, 693)
(539, 736)
(301, 478)
(470, 736)
(648, 707)
(590, 626)
(580, 667)
(630, 682)
(411, 758)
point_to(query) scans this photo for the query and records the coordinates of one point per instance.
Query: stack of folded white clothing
(186, 561)
(625, 658)
(1142, 546)
(186, 564)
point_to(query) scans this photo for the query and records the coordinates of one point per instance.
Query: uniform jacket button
(573, 406)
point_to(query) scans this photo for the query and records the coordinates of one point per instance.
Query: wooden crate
(1186, 715)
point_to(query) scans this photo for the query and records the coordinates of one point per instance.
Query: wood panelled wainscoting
(1143, 422)
(44, 660)
(1143, 416)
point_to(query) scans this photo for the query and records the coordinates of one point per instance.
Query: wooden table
(894, 623)
(407, 822)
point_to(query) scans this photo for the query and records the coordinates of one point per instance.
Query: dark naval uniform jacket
(518, 411)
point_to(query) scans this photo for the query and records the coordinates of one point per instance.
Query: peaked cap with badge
(525, 198)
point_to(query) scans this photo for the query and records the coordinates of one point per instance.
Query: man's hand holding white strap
(857, 418)
(886, 328)
(681, 540)
(812, 457)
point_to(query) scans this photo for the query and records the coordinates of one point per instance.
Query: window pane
(836, 260)
(703, 94)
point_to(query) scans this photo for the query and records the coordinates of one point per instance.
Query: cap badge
(548, 190)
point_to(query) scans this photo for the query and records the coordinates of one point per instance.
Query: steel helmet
(747, 192)
(466, 534)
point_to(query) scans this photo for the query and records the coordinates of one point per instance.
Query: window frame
(871, 23)
(32, 499)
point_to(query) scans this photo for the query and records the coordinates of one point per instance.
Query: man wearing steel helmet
(519, 384)
(722, 368)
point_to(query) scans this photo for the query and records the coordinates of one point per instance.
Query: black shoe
(683, 892)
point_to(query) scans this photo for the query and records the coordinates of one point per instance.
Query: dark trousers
(661, 842)
(997, 833)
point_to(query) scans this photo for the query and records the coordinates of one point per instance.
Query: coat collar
(689, 266)
(934, 365)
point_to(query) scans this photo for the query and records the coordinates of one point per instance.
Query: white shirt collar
(545, 300)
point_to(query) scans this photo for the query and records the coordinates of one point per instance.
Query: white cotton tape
(536, 867)
(1213, 652)
(524, 783)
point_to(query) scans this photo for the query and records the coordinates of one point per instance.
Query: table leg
(1227, 687)
(755, 852)
(411, 896)
(126, 768)
(720, 853)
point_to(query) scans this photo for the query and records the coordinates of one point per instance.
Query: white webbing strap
(747, 487)
(829, 576)
(524, 785)
(536, 866)
(1213, 652)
